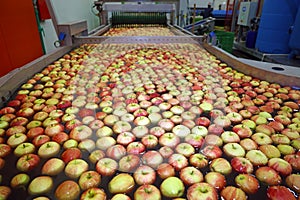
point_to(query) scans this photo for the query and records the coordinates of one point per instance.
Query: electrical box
(246, 13)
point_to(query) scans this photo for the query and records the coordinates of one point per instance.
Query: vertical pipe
(194, 15)
(40, 28)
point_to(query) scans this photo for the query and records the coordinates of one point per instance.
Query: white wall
(68, 11)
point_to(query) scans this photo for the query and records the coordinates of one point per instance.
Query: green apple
(122, 183)
(172, 187)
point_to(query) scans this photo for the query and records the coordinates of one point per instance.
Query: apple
(129, 163)
(27, 162)
(234, 150)
(202, 191)
(212, 139)
(268, 176)
(147, 192)
(53, 167)
(172, 187)
(215, 179)
(75, 168)
(40, 185)
(241, 165)
(34, 132)
(248, 144)
(257, 157)
(165, 170)
(121, 126)
(242, 130)
(144, 175)
(198, 160)
(140, 131)
(152, 158)
(15, 129)
(270, 151)
(285, 149)
(89, 179)
(120, 197)
(166, 124)
(5, 191)
(248, 183)
(20, 180)
(293, 182)
(135, 147)
(202, 121)
(230, 137)
(215, 129)
(24, 148)
(220, 165)
(149, 141)
(121, 183)
(49, 149)
(166, 151)
(125, 138)
(16, 139)
(178, 161)
(93, 193)
(68, 189)
(279, 193)
(81, 132)
(104, 143)
(293, 159)
(116, 152)
(212, 151)
(106, 166)
(190, 175)
(104, 131)
(169, 139)
(231, 192)
(261, 139)
(281, 166)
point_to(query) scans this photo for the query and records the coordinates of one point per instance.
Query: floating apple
(172, 187)
(122, 183)
(67, 190)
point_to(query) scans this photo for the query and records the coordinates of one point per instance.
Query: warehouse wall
(68, 11)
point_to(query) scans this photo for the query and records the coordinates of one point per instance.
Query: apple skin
(20, 180)
(165, 170)
(268, 176)
(212, 152)
(121, 183)
(279, 193)
(129, 163)
(89, 179)
(144, 175)
(293, 182)
(28, 162)
(178, 161)
(220, 165)
(106, 166)
(53, 167)
(172, 187)
(152, 159)
(231, 192)
(202, 191)
(241, 165)
(120, 197)
(198, 160)
(67, 190)
(190, 175)
(40, 185)
(147, 192)
(257, 158)
(216, 179)
(71, 154)
(75, 168)
(281, 166)
(93, 193)
(247, 183)
(5, 191)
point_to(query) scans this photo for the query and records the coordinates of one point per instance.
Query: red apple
(106, 166)
(93, 193)
(147, 192)
(67, 190)
(28, 162)
(89, 179)
(202, 191)
(216, 179)
(144, 175)
(279, 193)
(268, 176)
(231, 192)
(190, 175)
(247, 183)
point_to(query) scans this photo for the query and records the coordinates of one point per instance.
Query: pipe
(270, 54)
(40, 28)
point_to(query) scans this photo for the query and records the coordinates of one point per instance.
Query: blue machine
(274, 29)
(294, 42)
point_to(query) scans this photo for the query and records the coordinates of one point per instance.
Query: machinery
(129, 16)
